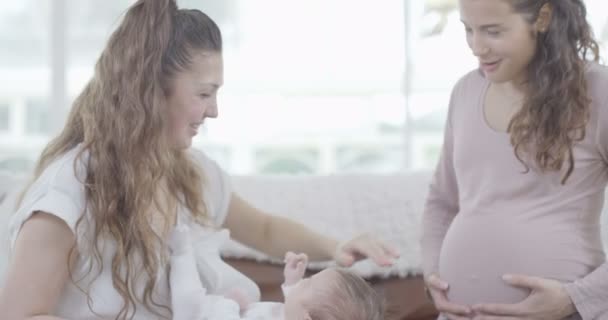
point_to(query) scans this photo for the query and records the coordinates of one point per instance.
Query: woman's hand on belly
(438, 289)
(548, 300)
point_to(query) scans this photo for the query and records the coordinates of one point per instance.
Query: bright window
(311, 87)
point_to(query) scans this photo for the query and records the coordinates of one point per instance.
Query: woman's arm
(38, 269)
(442, 204)
(275, 236)
(590, 294)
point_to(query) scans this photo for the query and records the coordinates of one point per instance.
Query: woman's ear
(544, 18)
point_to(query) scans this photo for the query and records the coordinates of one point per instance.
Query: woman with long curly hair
(89, 237)
(511, 224)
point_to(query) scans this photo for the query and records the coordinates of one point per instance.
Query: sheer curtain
(311, 87)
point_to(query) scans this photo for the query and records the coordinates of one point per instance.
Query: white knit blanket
(342, 206)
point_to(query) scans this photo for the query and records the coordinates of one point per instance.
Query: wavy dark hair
(119, 119)
(556, 109)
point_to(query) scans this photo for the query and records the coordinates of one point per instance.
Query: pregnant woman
(511, 225)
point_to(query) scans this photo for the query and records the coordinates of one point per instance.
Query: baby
(332, 294)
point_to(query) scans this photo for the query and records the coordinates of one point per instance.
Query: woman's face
(193, 97)
(502, 39)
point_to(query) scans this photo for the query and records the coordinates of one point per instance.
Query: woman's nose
(478, 46)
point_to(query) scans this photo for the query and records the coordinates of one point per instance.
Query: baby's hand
(295, 267)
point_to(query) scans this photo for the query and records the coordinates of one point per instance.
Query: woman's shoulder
(597, 78)
(63, 178)
(204, 162)
(198, 156)
(473, 81)
(58, 190)
(597, 89)
(217, 187)
(66, 172)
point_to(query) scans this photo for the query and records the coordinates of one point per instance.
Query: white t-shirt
(59, 190)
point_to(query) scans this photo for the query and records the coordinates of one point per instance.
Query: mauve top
(485, 216)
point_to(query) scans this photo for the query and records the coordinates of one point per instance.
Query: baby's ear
(307, 316)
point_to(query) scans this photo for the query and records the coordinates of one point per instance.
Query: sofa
(388, 206)
(342, 206)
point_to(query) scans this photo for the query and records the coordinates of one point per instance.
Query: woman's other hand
(548, 300)
(438, 289)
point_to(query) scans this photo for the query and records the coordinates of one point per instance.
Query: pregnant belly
(478, 250)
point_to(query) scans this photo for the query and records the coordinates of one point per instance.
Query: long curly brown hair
(131, 170)
(556, 109)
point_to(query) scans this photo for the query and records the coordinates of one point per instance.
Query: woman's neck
(511, 90)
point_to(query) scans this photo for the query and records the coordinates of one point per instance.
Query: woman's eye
(493, 33)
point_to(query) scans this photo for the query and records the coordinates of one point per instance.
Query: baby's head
(334, 294)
